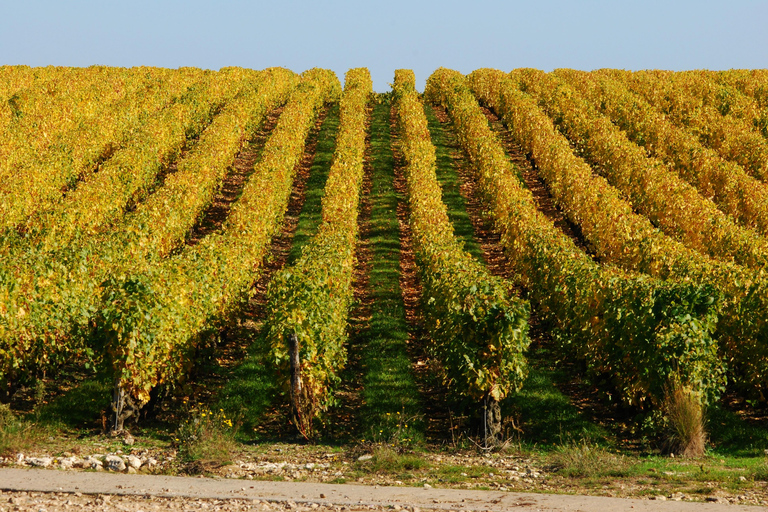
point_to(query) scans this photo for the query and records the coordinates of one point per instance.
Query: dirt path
(92, 490)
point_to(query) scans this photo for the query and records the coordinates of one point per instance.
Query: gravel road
(50, 490)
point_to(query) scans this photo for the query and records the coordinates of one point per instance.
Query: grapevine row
(15, 78)
(725, 97)
(152, 321)
(732, 138)
(310, 300)
(129, 175)
(646, 335)
(622, 237)
(733, 190)
(479, 332)
(55, 296)
(50, 107)
(12, 80)
(752, 82)
(670, 202)
(40, 176)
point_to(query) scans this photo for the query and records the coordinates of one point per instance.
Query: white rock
(40, 462)
(20, 458)
(427, 486)
(115, 463)
(68, 462)
(133, 461)
(93, 463)
(132, 470)
(364, 457)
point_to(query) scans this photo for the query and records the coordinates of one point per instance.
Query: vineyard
(400, 264)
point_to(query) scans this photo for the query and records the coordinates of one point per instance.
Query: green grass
(81, 407)
(731, 436)
(15, 434)
(450, 182)
(390, 396)
(312, 209)
(250, 389)
(546, 416)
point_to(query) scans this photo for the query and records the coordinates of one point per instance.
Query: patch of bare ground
(233, 342)
(437, 410)
(343, 419)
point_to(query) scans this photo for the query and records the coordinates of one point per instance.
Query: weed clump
(587, 460)
(685, 414)
(15, 435)
(207, 436)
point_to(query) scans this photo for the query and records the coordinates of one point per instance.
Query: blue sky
(384, 36)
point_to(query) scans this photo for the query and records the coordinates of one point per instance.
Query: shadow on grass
(576, 444)
(547, 417)
(250, 391)
(81, 407)
(392, 405)
(732, 436)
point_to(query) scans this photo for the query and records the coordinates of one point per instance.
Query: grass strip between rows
(253, 387)
(392, 408)
(450, 183)
(311, 215)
